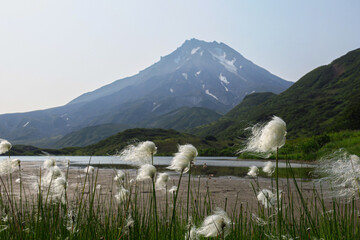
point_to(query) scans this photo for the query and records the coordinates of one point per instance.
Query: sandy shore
(229, 191)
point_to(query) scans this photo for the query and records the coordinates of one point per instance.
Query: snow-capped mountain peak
(197, 74)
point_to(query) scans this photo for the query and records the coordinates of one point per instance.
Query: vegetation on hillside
(325, 100)
(89, 135)
(303, 148)
(166, 141)
(183, 118)
(316, 147)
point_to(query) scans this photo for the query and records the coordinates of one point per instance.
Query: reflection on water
(205, 166)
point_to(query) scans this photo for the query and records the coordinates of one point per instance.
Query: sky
(53, 51)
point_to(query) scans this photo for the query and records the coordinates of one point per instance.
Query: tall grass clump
(57, 201)
(181, 162)
(264, 140)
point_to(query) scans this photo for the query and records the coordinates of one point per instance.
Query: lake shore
(224, 191)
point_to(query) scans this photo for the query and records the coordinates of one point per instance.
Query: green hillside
(183, 118)
(326, 99)
(89, 135)
(166, 141)
(228, 125)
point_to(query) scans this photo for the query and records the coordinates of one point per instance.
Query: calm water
(215, 166)
(161, 161)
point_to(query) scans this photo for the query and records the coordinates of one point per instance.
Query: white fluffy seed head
(265, 139)
(342, 171)
(253, 171)
(129, 222)
(173, 189)
(218, 224)
(146, 171)
(52, 174)
(192, 234)
(120, 176)
(48, 163)
(267, 198)
(140, 153)
(122, 195)
(15, 163)
(54, 183)
(149, 147)
(89, 170)
(355, 159)
(161, 181)
(5, 146)
(58, 188)
(60, 181)
(269, 168)
(259, 221)
(8, 166)
(183, 158)
(191, 231)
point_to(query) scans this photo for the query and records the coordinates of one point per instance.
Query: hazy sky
(53, 51)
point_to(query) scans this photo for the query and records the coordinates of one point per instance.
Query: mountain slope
(167, 142)
(183, 118)
(198, 74)
(326, 99)
(89, 135)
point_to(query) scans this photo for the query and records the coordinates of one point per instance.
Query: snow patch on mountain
(223, 84)
(156, 107)
(229, 65)
(223, 79)
(194, 50)
(210, 94)
(171, 90)
(197, 73)
(26, 124)
(185, 75)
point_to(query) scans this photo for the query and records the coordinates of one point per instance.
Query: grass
(316, 147)
(88, 213)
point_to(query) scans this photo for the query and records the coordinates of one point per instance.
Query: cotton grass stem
(174, 206)
(11, 204)
(188, 194)
(20, 187)
(277, 191)
(155, 208)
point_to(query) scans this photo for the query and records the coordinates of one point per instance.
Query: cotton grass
(140, 153)
(89, 170)
(173, 190)
(218, 224)
(48, 163)
(120, 176)
(5, 146)
(266, 139)
(146, 171)
(342, 171)
(161, 181)
(54, 184)
(269, 168)
(267, 198)
(8, 166)
(122, 195)
(183, 158)
(253, 171)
